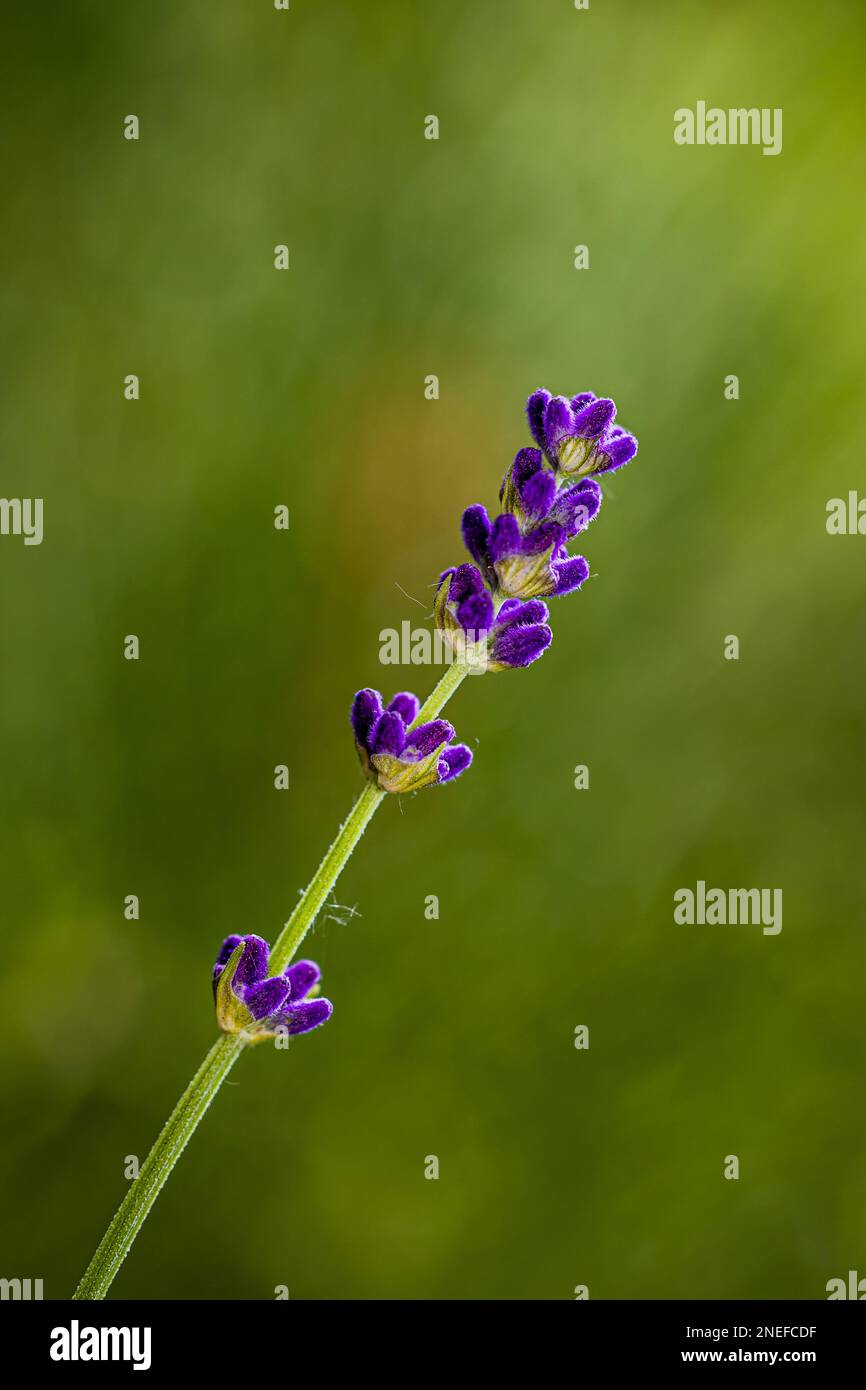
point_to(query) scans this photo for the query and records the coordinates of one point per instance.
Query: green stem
(289, 940)
(441, 693)
(184, 1119)
(176, 1133)
(325, 877)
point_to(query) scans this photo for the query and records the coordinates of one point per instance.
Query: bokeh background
(410, 257)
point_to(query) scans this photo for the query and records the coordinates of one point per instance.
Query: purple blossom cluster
(492, 611)
(549, 496)
(494, 606)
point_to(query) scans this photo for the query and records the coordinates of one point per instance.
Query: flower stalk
(190, 1109)
(492, 610)
(173, 1139)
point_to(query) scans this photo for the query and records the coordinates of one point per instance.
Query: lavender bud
(397, 756)
(256, 1006)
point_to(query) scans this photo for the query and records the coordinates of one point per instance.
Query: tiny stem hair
(190, 1109)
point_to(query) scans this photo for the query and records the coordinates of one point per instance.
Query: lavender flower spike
(257, 1006)
(492, 608)
(397, 757)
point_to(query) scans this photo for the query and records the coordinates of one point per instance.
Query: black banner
(253, 1340)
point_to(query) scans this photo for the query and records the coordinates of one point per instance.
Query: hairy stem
(184, 1119)
(325, 877)
(176, 1133)
(441, 693)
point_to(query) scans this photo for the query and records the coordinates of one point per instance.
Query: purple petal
(366, 711)
(558, 422)
(570, 574)
(521, 611)
(537, 494)
(535, 408)
(592, 421)
(266, 998)
(505, 538)
(466, 581)
(468, 599)
(578, 402)
(592, 494)
(507, 608)
(519, 645)
(226, 951)
(301, 977)
(548, 534)
(476, 534)
(527, 462)
(620, 449)
(390, 735)
(426, 737)
(453, 761)
(576, 507)
(253, 964)
(406, 705)
(300, 1018)
(475, 614)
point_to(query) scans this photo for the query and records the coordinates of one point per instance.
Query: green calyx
(526, 576)
(397, 775)
(472, 654)
(578, 457)
(233, 1016)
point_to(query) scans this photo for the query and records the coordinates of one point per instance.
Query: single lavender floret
(524, 564)
(528, 488)
(578, 436)
(530, 492)
(255, 1005)
(397, 757)
(515, 636)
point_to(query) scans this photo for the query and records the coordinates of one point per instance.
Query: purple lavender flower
(514, 636)
(618, 447)
(578, 436)
(522, 553)
(524, 565)
(536, 564)
(531, 492)
(529, 488)
(255, 1005)
(397, 756)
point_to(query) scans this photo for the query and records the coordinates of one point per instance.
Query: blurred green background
(410, 257)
